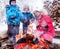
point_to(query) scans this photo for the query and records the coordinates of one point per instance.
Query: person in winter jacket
(14, 16)
(44, 24)
(28, 16)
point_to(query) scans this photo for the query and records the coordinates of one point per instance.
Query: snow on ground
(56, 41)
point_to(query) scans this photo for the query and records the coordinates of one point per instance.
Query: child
(14, 16)
(45, 25)
(28, 16)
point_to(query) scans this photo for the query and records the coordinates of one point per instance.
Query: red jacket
(49, 30)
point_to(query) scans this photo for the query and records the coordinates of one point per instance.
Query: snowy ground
(56, 41)
(3, 30)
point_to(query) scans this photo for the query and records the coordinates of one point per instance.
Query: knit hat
(11, 1)
(26, 7)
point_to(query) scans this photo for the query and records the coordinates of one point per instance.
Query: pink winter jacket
(49, 31)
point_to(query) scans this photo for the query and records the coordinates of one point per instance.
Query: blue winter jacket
(28, 16)
(14, 15)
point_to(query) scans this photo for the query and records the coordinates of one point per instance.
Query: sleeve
(31, 16)
(8, 11)
(50, 26)
(49, 23)
(49, 29)
(20, 16)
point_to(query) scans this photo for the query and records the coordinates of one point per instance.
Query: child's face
(13, 3)
(26, 9)
(36, 13)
